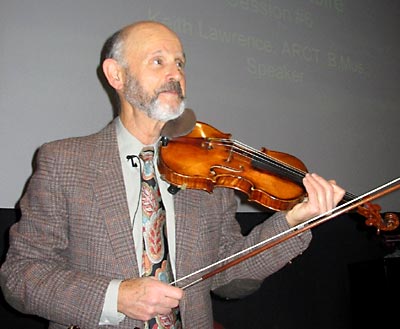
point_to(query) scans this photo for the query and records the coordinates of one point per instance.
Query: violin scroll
(371, 212)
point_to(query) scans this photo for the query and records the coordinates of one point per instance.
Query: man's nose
(175, 73)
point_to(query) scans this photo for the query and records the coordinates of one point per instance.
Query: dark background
(347, 278)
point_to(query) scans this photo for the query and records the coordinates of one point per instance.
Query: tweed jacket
(75, 235)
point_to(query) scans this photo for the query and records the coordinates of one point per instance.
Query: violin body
(207, 158)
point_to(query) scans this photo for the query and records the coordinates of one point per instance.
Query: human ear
(114, 73)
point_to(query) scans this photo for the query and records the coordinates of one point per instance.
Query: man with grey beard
(79, 254)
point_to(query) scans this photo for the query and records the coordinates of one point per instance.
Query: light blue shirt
(129, 145)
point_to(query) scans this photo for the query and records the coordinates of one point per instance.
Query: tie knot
(147, 153)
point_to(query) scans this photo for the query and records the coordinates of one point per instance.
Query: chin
(166, 112)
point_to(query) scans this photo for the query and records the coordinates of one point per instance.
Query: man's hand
(144, 298)
(322, 196)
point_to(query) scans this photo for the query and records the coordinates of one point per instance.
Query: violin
(206, 158)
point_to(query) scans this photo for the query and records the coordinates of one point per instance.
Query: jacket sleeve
(246, 277)
(37, 276)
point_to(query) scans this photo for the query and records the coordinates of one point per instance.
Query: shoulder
(79, 150)
(73, 145)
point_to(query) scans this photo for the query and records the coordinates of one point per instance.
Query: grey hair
(115, 48)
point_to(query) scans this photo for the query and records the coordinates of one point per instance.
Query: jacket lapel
(109, 190)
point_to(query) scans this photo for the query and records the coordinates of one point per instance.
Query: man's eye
(180, 64)
(157, 61)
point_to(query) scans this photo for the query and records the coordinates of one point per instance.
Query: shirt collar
(127, 143)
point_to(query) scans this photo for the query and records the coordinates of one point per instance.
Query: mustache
(173, 86)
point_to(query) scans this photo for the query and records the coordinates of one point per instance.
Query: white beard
(164, 112)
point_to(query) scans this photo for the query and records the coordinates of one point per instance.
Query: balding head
(132, 36)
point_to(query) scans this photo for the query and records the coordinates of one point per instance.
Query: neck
(145, 129)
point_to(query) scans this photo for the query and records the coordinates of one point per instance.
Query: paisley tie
(155, 258)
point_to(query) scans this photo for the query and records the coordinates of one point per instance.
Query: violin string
(286, 232)
(265, 158)
(294, 172)
(256, 155)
